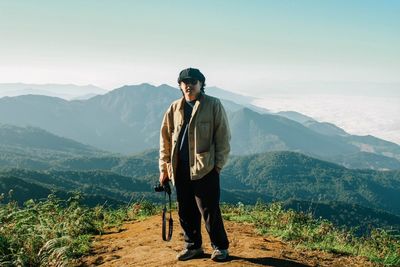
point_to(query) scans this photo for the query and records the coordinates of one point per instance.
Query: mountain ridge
(127, 120)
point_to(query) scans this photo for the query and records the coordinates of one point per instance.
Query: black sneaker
(220, 255)
(188, 254)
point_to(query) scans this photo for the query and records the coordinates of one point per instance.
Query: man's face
(190, 88)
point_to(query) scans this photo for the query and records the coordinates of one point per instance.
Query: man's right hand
(164, 178)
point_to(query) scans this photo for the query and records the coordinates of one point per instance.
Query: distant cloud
(360, 115)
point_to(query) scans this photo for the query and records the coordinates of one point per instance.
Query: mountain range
(275, 175)
(65, 91)
(127, 120)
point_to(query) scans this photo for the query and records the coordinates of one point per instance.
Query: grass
(306, 232)
(54, 232)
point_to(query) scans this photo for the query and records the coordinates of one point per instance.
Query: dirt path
(140, 244)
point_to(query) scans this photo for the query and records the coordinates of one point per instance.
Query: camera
(162, 188)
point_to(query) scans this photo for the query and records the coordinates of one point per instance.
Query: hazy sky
(244, 46)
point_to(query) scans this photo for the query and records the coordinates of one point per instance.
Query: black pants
(196, 199)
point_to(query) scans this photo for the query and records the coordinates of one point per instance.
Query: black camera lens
(161, 188)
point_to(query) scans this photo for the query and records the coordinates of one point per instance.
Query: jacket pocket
(203, 160)
(203, 137)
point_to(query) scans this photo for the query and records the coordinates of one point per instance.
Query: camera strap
(164, 219)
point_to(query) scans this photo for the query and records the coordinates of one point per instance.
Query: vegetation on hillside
(291, 175)
(348, 197)
(54, 231)
(306, 232)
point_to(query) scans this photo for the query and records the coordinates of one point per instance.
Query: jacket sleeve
(222, 135)
(165, 141)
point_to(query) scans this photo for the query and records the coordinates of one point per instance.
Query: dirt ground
(139, 244)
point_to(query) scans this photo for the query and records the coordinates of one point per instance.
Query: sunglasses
(190, 81)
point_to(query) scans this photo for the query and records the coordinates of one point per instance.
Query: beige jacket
(208, 137)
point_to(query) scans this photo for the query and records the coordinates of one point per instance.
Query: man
(194, 147)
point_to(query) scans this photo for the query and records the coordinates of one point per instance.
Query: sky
(260, 48)
(243, 46)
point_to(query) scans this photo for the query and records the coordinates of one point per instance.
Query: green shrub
(55, 231)
(302, 230)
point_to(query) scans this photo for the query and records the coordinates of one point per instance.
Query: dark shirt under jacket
(183, 135)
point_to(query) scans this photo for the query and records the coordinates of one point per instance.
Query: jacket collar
(199, 99)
